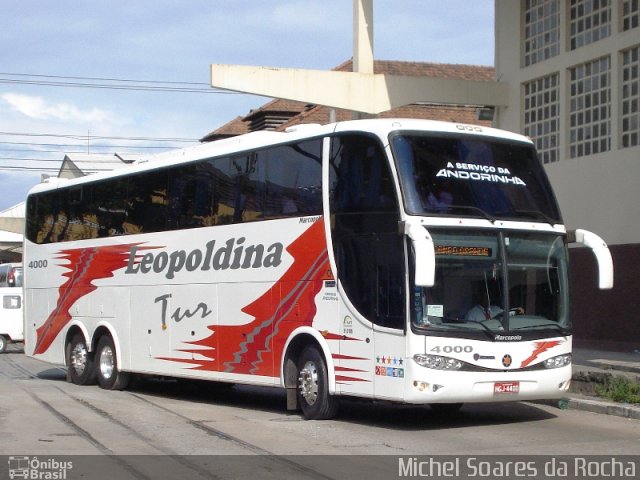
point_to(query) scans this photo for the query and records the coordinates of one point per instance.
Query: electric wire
(109, 83)
(112, 83)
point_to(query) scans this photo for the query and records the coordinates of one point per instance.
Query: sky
(107, 76)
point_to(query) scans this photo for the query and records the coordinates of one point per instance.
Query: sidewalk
(618, 361)
(590, 366)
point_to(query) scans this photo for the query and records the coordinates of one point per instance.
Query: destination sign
(463, 251)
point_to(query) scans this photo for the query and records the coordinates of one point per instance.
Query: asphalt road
(183, 425)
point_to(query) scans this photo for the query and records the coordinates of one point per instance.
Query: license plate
(506, 387)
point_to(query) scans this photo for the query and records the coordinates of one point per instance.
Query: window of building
(630, 14)
(542, 30)
(542, 115)
(590, 108)
(630, 97)
(590, 21)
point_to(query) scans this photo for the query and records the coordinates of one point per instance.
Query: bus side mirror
(601, 251)
(424, 251)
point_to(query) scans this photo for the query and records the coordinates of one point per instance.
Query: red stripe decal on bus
(85, 265)
(256, 348)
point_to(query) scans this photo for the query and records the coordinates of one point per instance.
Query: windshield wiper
(449, 323)
(490, 333)
(473, 208)
(537, 214)
(552, 326)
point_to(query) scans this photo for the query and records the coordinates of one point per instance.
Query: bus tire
(4, 341)
(313, 386)
(80, 361)
(109, 376)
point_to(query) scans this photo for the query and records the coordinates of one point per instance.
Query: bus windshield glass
(469, 176)
(495, 282)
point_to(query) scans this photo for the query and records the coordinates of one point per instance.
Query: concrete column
(363, 36)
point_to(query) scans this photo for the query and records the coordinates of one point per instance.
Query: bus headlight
(558, 362)
(436, 362)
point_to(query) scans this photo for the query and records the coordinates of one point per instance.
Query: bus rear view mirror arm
(601, 251)
(424, 252)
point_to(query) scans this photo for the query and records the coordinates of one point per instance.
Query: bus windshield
(495, 282)
(469, 176)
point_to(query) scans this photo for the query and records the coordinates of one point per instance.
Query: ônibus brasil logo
(38, 469)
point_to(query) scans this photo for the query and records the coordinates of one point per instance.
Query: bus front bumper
(424, 385)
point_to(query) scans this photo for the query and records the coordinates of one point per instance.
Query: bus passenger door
(390, 320)
(369, 259)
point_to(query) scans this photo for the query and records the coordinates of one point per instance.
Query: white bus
(339, 260)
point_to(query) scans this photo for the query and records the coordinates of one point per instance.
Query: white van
(11, 323)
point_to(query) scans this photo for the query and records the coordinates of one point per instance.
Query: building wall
(573, 88)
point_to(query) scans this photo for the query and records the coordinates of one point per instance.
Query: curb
(616, 366)
(583, 379)
(594, 405)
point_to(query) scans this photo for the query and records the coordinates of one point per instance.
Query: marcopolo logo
(233, 254)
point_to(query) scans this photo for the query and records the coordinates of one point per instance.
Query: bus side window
(191, 197)
(109, 200)
(224, 185)
(205, 203)
(294, 180)
(147, 203)
(40, 217)
(243, 202)
(254, 187)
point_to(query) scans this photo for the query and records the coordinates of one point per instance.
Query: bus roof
(254, 140)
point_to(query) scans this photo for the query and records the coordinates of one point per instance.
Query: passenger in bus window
(483, 309)
(75, 228)
(44, 234)
(439, 199)
(59, 226)
(91, 226)
(434, 195)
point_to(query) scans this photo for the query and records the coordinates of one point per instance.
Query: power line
(92, 82)
(15, 159)
(63, 148)
(76, 145)
(29, 169)
(33, 150)
(114, 83)
(101, 137)
(106, 79)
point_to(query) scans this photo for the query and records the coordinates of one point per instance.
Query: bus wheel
(109, 377)
(3, 343)
(313, 386)
(80, 361)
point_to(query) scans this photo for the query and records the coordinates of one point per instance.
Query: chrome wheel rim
(107, 362)
(79, 358)
(308, 382)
